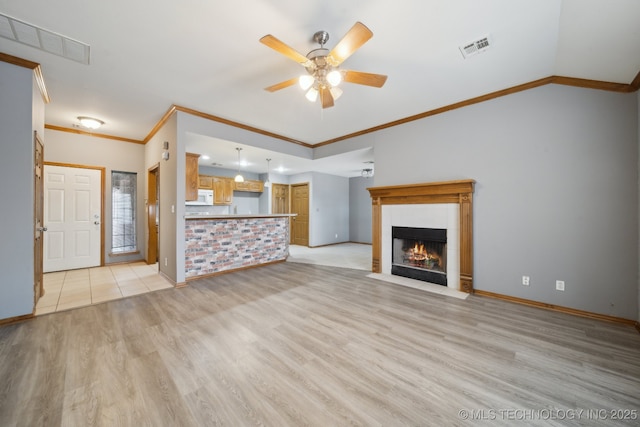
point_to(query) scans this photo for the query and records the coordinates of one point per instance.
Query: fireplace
(420, 253)
(442, 205)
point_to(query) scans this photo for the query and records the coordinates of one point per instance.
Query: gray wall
(328, 207)
(171, 200)
(84, 150)
(556, 195)
(22, 112)
(360, 210)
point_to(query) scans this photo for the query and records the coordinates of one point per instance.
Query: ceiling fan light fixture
(322, 65)
(312, 94)
(336, 92)
(334, 77)
(306, 81)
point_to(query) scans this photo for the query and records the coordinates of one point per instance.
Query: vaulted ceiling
(146, 56)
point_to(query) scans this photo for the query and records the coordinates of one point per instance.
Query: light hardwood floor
(295, 344)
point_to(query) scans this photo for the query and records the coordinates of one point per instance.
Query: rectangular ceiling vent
(475, 47)
(25, 33)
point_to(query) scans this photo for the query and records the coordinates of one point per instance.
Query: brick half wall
(216, 245)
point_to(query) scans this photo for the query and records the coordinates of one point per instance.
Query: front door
(39, 217)
(73, 217)
(300, 206)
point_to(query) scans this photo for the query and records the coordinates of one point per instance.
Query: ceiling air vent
(474, 47)
(31, 35)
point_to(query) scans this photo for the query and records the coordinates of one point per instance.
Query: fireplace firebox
(420, 253)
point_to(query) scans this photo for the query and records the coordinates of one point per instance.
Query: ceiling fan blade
(355, 37)
(367, 79)
(282, 85)
(283, 48)
(326, 98)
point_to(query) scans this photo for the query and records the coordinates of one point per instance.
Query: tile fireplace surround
(447, 192)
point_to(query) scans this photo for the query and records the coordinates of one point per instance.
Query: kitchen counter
(222, 243)
(232, 216)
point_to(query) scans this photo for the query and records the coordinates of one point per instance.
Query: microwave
(205, 198)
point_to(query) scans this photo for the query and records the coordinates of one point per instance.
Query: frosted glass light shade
(334, 77)
(306, 81)
(90, 122)
(239, 178)
(336, 92)
(312, 94)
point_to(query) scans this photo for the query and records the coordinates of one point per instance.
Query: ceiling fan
(323, 72)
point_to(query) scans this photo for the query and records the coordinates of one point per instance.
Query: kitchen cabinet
(249, 185)
(222, 190)
(205, 182)
(191, 190)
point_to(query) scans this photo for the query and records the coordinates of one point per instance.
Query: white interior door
(72, 211)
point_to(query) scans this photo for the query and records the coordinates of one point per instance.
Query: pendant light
(267, 182)
(239, 177)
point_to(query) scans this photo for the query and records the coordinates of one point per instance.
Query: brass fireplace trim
(460, 192)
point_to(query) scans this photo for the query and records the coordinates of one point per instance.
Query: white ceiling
(205, 55)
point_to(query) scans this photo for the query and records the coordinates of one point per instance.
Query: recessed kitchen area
(245, 205)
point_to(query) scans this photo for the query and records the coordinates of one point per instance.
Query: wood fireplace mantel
(459, 192)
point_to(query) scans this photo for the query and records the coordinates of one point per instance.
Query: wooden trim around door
(459, 192)
(152, 238)
(102, 190)
(292, 188)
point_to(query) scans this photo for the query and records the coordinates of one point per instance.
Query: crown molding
(568, 81)
(560, 80)
(635, 84)
(37, 73)
(174, 108)
(160, 123)
(592, 84)
(97, 135)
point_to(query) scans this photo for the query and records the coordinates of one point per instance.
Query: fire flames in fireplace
(420, 253)
(419, 256)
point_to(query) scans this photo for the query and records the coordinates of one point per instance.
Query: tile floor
(77, 288)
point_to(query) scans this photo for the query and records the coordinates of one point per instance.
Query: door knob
(42, 228)
(96, 222)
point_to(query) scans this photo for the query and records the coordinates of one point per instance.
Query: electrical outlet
(165, 262)
(559, 285)
(525, 280)
(336, 235)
